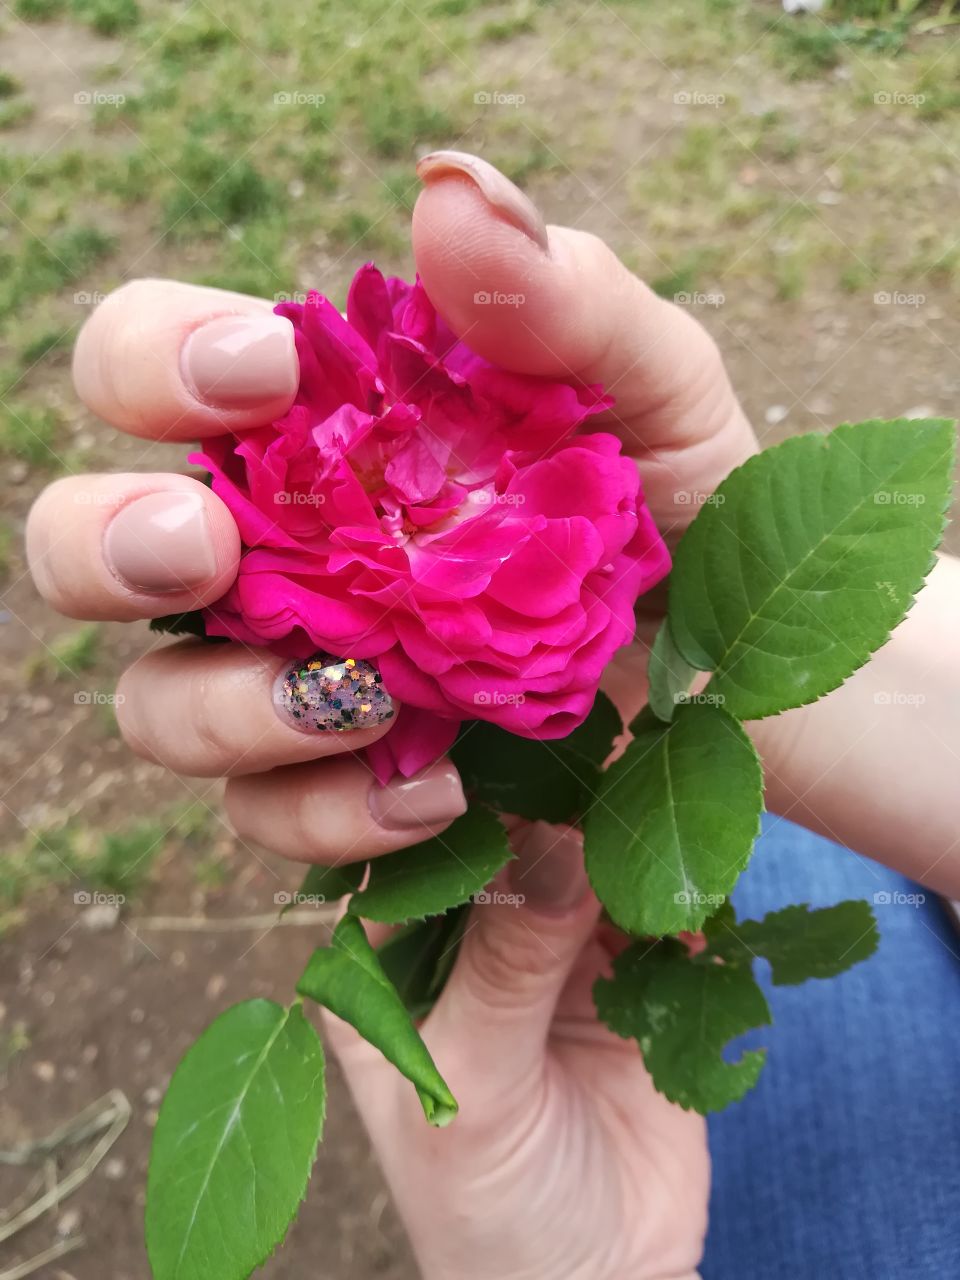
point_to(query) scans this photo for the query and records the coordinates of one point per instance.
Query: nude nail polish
(502, 194)
(430, 799)
(239, 362)
(161, 543)
(548, 870)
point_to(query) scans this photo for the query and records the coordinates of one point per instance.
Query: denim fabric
(844, 1162)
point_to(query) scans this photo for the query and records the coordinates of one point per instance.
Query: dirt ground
(89, 1003)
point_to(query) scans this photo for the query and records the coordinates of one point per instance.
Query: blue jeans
(844, 1162)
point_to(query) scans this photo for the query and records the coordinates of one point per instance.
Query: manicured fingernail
(548, 870)
(507, 198)
(431, 798)
(238, 362)
(161, 543)
(324, 694)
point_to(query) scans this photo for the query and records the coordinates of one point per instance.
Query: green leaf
(348, 979)
(548, 780)
(683, 1015)
(234, 1144)
(184, 624)
(442, 872)
(669, 674)
(798, 942)
(418, 958)
(327, 884)
(812, 553)
(674, 821)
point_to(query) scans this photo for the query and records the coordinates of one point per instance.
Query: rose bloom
(441, 518)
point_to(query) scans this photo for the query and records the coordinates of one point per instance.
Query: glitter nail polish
(324, 694)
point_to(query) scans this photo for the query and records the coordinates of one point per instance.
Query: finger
(572, 309)
(334, 812)
(121, 547)
(518, 951)
(176, 361)
(211, 710)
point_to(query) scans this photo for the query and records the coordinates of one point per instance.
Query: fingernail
(161, 543)
(238, 362)
(430, 799)
(324, 694)
(504, 195)
(548, 870)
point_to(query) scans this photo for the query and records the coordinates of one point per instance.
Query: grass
(69, 656)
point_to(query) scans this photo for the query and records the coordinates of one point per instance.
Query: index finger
(172, 361)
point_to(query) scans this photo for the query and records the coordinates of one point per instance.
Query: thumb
(557, 302)
(518, 950)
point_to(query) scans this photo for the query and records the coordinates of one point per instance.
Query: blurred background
(792, 177)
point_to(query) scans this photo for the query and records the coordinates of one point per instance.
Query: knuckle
(504, 962)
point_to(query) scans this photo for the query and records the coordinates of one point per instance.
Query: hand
(564, 1162)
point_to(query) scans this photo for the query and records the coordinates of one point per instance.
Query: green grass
(70, 655)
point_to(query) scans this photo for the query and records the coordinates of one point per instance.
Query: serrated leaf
(234, 1144)
(799, 943)
(348, 979)
(327, 884)
(547, 780)
(683, 1015)
(442, 872)
(418, 958)
(183, 624)
(811, 555)
(674, 821)
(669, 675)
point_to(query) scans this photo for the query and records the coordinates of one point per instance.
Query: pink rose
(439, 517)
